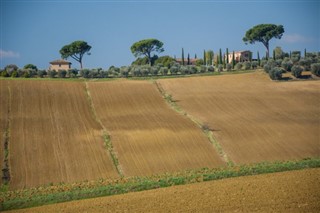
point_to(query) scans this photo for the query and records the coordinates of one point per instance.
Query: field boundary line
(106, 136)
(5, 175)
(205, 128)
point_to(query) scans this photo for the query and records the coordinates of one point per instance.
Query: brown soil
(53, 136)
(253, 118)
(148, 136)
(295, 191)
(4, 105)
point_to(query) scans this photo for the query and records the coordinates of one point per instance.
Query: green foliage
(75, 50)
(263, 33)
(278, 53)
(41, 73)
(306, 63)
(247, 65)
(295, 56)
(164, 70)
(75, 191)
(276, 73)
(182, 56)
(31, 66)
(165, 61)
(52, 73)
(204, 58)
(296, 71)
(315, 69)
(4, 73)
(10, 69)
(229, 67)
(220, 68)
(211, 69)
(14, 74)
(209, 57)
(146, 47)
(199, 62)
(287, 64)
(254, 64)
(239, 66)
(62, 73)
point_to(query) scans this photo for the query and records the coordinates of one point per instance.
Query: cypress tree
(195, 56)
(217, 60)
(182, 57)
(258, 56)
(188, 63)
(233, 60)
(224, 61)
(305, 52)
(204, 58)
(274, 55)
(227, 56)
(290, 55)
(220, 56)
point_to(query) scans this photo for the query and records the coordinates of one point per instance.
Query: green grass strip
(67, 192)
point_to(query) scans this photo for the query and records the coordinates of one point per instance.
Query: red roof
(60, 61)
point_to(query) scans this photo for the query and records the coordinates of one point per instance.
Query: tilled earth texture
(295, 191)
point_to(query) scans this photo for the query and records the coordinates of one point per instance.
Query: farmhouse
(241, 56)
(60, 64)
(192, 61)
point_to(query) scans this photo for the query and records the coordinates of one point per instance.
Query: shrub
(136, 71)
(183, 70)
(220, 68)
(52, 73)
(41, 73)
(315, 69)
(211, 69)
(229, 67)
(254, 64)
(239, 66)
(174, 70)
(278, 62)
(14, 74)
(296, 71)
(62, 73)
(247, 65)
(275, 73)
(85, 73)
(124, 71)
(163, 70)
(193, 69)
(287, 65)
(4, 73)
(306, 63)
(26, 75)
(155, 70)
(145, 70)
(72, 73)
(202, 69)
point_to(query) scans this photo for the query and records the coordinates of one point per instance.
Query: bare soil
(295, 191)
(253, 118)
(147, 135)
(53, 136)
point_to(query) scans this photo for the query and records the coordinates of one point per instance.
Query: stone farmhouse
(241, 56)
(60, 64)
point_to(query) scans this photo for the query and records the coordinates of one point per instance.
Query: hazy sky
(34, 31)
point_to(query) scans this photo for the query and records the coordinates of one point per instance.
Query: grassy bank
(66, 192)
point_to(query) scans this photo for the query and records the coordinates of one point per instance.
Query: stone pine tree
(263, 33)
(146, 47)
(204, 57)
(75, 50)
(182, 56)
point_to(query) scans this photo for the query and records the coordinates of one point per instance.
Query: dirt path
(295, 191)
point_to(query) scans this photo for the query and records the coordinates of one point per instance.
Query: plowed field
(295, 191)
(253, 118)
(53, 135)
(147, 135)
(4, 106)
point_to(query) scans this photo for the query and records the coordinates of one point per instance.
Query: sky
(33, 31)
